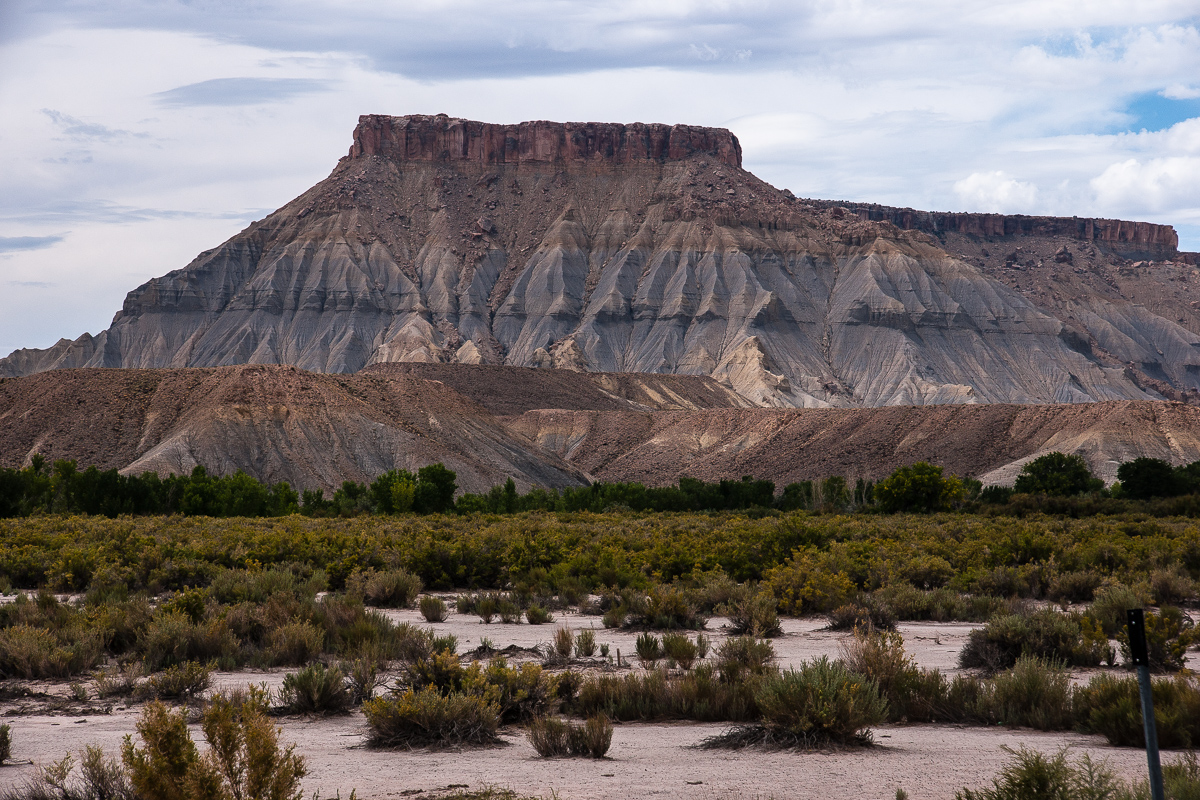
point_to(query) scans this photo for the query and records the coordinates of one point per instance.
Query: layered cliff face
(639, 248)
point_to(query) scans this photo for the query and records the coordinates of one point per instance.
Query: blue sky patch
(1153, 112)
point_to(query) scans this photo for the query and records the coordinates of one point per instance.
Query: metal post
(1137, 649)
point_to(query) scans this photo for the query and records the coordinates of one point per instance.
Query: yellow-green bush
(428, 717)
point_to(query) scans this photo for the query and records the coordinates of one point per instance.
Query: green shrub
(5, 743)
(591, 739)
(510, 612)
(1169, 587)
(395, 588)
(1033, 694)
(537, 615)
(1078, 586)
(1111, 706)
(807, 584)
(1031, 775)
(1057, 475)
(585, 643)
(295, 643)
(919, 487)
(563, 643)
(362, 674)
(486, 608)
(1169, 634)
(679, 649)
(753, 616)
(118, 681)
(649, 649)
(31, 652)
(653, 695)
(551, 736)
(244, 758)
(316, 689)
(184, 681)
(1111, 602)
(1073, 639)
(739, 656)
(871, 614)
(820, 702)
(912, 694)
(663, 607)
(433, 609)
(172, 638)
(427, 717)
(519, 693)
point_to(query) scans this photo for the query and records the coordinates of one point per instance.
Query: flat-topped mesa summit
(646, 248)
(443, 139)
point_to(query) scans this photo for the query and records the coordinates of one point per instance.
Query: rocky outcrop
(641, 248)
(442, 139)
(1144, 240)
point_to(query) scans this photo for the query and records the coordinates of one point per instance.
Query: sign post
(1136, 620)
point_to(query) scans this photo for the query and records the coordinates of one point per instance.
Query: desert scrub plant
(509, 611)
(1169, 634)
(1033, 775)
(679, 649)
(1110, 603)
(396, 588)
(821, 701)
(591, 739)
(433, 609)
(5, 743)
(871, 612)
(648, 648)
(244, 758)
(427, 717)
(653, 695)
(739, 656)
(363, 676)
(186, 681)
(537, 615)
(551, 736)
(316, 689)
(913, 694)
(172, 638)
(31, 652)
(1111, 706)
(663, 607)
(518, 692)
(808, 583)
(118, 681)
(585, 643)
(294, 644)
(1034, 694)
(1073, 639)
(99, 777)
(753, 616)
(563, 643)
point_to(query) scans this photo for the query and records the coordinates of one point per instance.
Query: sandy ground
(646, 760)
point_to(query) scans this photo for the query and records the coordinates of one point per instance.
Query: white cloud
(995, 192)
(1155, 185)
(1178, 91)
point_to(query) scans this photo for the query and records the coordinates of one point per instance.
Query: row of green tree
(63, 488)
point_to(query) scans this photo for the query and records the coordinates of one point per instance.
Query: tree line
(922, 487)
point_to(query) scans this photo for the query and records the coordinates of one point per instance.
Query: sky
(136, 134)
